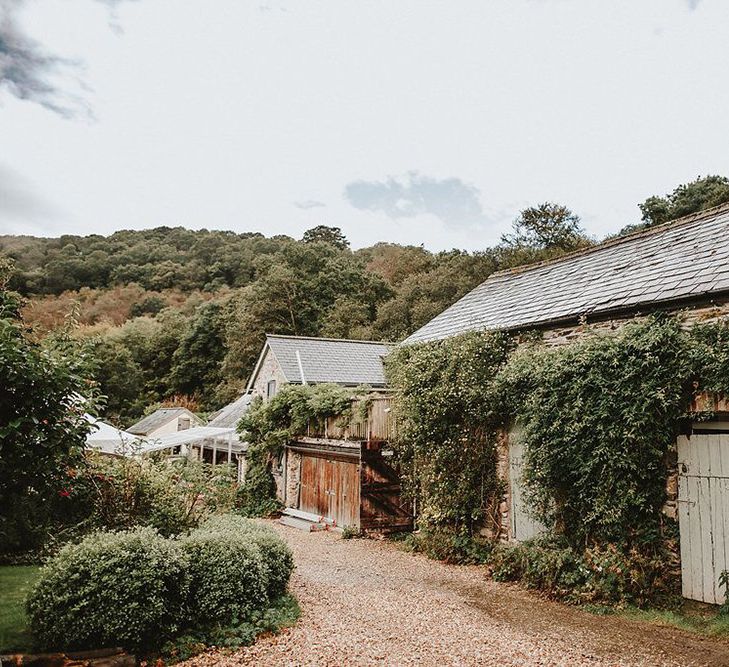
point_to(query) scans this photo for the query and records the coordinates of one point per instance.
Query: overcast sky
(413, 121)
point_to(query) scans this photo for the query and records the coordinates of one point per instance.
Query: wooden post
(215, 451)
(230, 447)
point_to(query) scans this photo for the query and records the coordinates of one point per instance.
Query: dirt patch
(366, 602)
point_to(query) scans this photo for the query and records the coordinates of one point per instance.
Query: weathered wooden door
(523, 525)
(314, 497)
(330, 488)
(703, 514)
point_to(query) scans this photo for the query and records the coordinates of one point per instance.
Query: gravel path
(365, 602)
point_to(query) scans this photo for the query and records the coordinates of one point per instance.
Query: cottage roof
(158, 418)
(684, 260)
(230, 415)
(340, 361)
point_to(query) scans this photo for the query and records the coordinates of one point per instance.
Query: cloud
(455, 203)
(26, 70)
(18, 200)
(309, 203)
(30, 73)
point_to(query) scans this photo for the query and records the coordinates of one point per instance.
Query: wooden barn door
(330, 488)
(314, 496)
(523, 525)
(703, 514)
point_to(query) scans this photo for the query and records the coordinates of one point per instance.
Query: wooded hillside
(176, 313)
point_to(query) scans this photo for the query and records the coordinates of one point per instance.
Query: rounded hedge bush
(277, 557)
(122, 588)
(228, 577)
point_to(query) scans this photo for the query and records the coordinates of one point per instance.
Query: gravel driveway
(366, 602)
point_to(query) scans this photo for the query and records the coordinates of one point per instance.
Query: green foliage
(139, 590)
(705, 192)
(449, 546)
(111, 589)
(269, 425)
(171, 496)
(724, 583)
(42, 426)
(597, 419)
(228, 577)
(548, 226)
(447, 425)
(282, 613)
(605, 574)
(276, 555)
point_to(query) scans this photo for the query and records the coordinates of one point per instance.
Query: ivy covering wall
(598, 418)
(269, 425)
(448, 419)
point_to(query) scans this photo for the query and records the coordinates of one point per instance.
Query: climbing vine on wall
(269, 425)
(447, 426)
(598, 419)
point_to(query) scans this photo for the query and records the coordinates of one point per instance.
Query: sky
(409, 121)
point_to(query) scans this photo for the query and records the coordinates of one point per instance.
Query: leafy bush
(228, 578)
(457, 548)
(44, 393)
(282, 613)
(126, 588)
(257, 495)
(169, 495)
(277, 557)
(603, 574)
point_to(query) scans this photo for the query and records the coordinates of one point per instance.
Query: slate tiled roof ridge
(332, 340)
(614, 241)
(680, 261)
(341, 361)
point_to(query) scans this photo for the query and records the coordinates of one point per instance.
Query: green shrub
(453, 547)
(228, 576)
(171, 496)
(604, 574)
(281, 613)
(277, 557)
(123, 588)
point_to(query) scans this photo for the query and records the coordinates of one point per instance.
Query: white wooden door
(523, 525)
(703, 514)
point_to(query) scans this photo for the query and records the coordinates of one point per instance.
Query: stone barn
(678, 267)
(335, 474)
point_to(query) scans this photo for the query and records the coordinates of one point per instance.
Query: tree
(42, 426)
(323, 234)
(548, 226)
(705, 192)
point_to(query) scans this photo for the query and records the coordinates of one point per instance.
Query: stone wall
(269, 370)
(293, 478)
(570, 334)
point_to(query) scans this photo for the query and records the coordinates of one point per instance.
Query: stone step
(301, 524)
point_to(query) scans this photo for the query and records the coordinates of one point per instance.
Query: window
(271, 389)
(183, 423)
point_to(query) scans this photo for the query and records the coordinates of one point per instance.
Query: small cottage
(682, 266)
(337, 475)
(165, 421)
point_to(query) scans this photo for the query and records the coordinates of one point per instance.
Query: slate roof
(230, 415)
(158, 418)
(683, 260)
(345, 362)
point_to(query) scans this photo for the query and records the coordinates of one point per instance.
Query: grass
(15, 582)
(691, 616)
